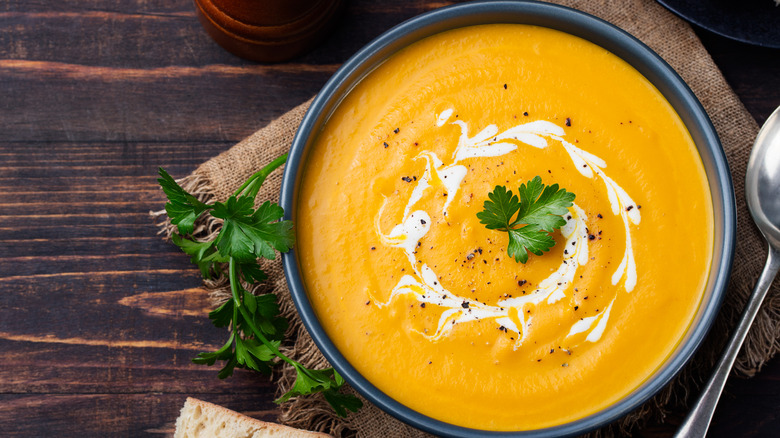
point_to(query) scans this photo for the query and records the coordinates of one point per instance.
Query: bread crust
(200, 419)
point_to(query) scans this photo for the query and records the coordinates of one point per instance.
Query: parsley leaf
(328, 382)
(341, 402)
(529, 238)
(252, 272)
(247, 233)
(543, 205)
(499, 210)
(223, 315)
(539, 212)
(204, 254)
(256, 326)
(182, 208)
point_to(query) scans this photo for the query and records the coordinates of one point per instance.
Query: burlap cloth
(674, 40)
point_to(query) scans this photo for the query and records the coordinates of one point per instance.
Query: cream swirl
(424, 284)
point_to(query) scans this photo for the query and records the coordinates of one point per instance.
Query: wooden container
(267, 30)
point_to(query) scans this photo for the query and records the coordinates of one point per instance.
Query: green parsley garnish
(539, 213)
(257, 329)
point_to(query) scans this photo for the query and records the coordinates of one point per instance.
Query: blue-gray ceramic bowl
(589, 28)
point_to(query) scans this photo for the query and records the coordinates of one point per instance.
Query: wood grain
(99, 317)
(106, 415)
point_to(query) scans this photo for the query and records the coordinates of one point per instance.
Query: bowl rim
(592, 29)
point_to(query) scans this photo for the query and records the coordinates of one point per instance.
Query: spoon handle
(698, 420)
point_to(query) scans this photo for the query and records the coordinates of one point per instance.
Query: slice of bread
(201, 419)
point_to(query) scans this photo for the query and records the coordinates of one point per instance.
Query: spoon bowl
(762, 190)
(762, 185)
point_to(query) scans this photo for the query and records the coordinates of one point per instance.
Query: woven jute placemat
(676, 42)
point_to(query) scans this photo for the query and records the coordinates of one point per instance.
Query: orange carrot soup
(423, 299)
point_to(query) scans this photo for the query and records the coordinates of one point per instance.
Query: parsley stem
(233, 273)
(252, 185)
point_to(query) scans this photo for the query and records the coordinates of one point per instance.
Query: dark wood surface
(99, 317)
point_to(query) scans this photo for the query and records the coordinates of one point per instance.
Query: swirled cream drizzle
(509, 313)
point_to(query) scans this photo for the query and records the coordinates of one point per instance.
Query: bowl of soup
(421, 307)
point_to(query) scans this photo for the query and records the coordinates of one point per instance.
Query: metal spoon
(762, 189)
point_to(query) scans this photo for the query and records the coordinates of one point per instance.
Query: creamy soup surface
(423, 300)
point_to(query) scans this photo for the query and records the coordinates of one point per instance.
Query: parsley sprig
(539, 212)
(256, 327)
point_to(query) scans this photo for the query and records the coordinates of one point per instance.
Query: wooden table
(99, 317)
